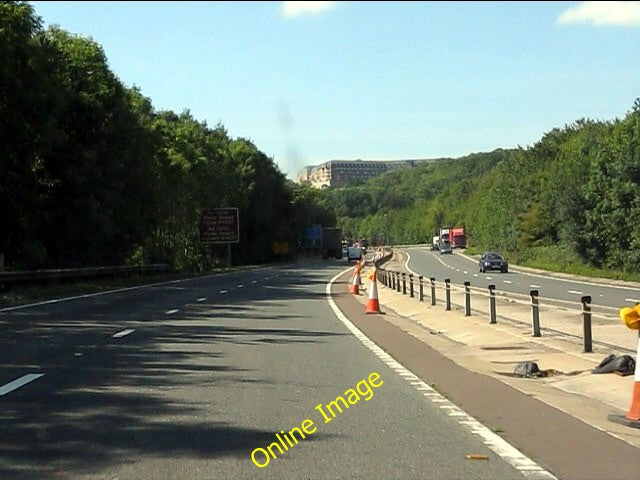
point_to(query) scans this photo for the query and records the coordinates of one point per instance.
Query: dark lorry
(331, 243)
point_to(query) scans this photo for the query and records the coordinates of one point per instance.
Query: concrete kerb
(554, 320)
(495, 349)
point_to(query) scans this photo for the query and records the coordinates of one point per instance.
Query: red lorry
(457, 238)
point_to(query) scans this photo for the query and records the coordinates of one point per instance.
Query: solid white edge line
(19, 382)
(496, 443)
(89, 295)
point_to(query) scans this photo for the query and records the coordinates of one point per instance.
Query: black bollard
(492, 304)
(586, 322)
(447, 293)
(433, 290)
(535, 313)
(467, 299)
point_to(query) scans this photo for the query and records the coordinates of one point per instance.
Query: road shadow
(103, 399)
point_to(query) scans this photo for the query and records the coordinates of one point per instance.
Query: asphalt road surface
(187, 379)
(460, 268)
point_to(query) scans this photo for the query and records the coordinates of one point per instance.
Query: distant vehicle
(445, 248)
(364, 244)
(331, 243)
(493, 261)
(434, 243)
(444, 237)
(457, 238)
(354, 254)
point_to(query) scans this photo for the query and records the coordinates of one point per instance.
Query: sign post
(220, 225)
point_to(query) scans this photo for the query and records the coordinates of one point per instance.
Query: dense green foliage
(91, 174)
(573, 198)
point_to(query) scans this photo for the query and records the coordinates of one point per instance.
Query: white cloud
(293, 9)
(603, 13)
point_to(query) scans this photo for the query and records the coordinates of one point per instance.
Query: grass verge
(557, 259)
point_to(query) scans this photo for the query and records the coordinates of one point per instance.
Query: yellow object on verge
(631, 317)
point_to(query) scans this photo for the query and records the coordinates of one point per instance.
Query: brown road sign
(220, 225)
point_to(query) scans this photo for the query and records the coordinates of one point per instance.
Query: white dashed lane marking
(123, 333)
(19, 382)
(171, 312)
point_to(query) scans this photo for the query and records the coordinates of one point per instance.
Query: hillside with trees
(91, 174)
(569, 202)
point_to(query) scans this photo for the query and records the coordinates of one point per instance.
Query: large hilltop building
(337, 173)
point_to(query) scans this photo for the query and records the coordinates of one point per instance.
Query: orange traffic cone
(355, 285)
(373, 306)
(633, 415)
(631, 317)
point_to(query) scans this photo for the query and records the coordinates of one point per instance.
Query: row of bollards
(398, 282)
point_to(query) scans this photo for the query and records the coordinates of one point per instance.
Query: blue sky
(309, 82)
